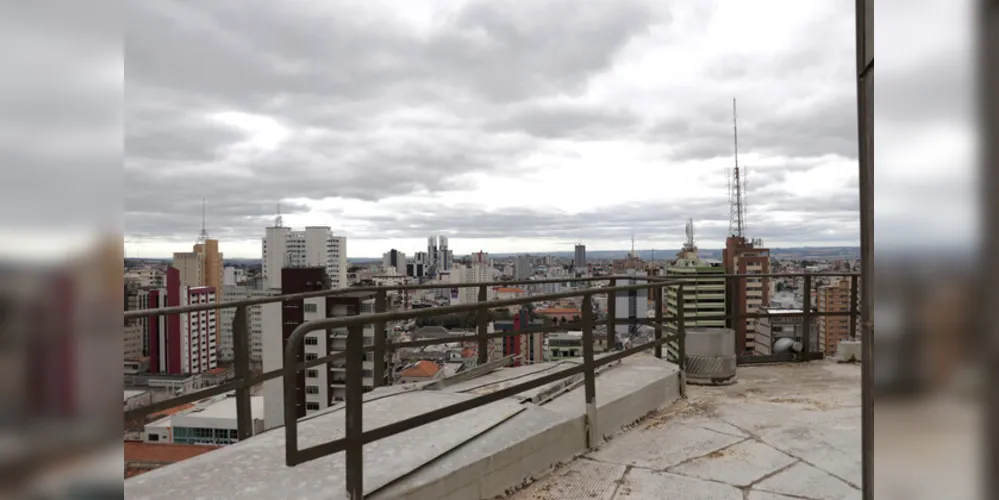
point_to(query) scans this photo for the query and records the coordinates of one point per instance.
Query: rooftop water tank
(711, 358)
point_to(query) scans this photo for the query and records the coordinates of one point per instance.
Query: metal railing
(357, 437)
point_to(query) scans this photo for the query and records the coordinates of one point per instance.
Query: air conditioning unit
(711, 358)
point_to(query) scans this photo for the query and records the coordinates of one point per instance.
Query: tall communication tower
(204, 231)
(736, 186)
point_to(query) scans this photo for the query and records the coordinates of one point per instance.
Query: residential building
(529, 347)
(183, 343)
(421, 371)
(321, 386)
(446, 255)
(394, 262)
(782, 323)
(132, 341)
(747, 295)
(210, 422)
(579, 262)
(834, 297)
(477, 272)
(232, 276)
(522, 267)
(146, 278)
(232, 293)
(315, 246)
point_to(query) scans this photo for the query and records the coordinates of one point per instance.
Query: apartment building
(232, 293)
(321, 386)
(747, 295)
(834, 297)
(315, 246)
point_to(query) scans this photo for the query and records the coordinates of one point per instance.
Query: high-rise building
(834, 297)
(316, 246)
(321, 386)
(522, 267)
(433, 255)
(746, 295)
(579, 263)
(394, 261)
(446, 254)
(702, 296)
(232, 293)
(181, 343)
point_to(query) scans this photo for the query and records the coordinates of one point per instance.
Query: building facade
(394, 261)
(748, 295)
(579, 262)
(630, 306)
(834, 297)
(232, 293)
(316, 246)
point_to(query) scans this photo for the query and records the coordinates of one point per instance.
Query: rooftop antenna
(204, 232)
(278, 221)
(736, 225)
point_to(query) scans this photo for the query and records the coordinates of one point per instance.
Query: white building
(478, 272)
(316, 246)
(146, 277)
(198, 332)
(253, 322)
(233, 275)
(210, 422)
(394, 262)
(323, 387)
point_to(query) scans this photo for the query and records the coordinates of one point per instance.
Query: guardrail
(355, 351)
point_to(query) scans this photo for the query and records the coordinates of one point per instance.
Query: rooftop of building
(221, 408)
(509, 290)
(780, 432)
(137, 451)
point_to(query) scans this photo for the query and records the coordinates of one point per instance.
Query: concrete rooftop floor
(786, 431)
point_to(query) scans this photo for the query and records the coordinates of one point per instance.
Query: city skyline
(463, 120)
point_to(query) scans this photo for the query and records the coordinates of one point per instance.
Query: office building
(522, 267)
(703, 297)
(321, 386)
(316, 246)
(746, 295)
(394, 262)
(579, 262)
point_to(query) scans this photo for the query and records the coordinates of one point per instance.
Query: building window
(311, 341)
(312, 389)
(311, 406)
(312, 373)
(310, 308)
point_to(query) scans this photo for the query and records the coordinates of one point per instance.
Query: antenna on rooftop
(277, 220)
(204, 231)
(736, 224)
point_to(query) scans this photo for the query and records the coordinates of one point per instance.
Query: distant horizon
(543, 253)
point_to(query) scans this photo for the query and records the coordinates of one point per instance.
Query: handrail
(355, 350)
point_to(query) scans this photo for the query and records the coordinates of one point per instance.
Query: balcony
(490, 430)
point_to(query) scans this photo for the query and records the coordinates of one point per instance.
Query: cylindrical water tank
(711, 358)
(785, 345)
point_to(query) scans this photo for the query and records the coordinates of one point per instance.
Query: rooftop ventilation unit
(711, 358)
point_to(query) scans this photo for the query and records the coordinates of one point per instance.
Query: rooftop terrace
(781, 432)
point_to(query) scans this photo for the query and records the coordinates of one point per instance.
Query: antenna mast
(277, 220)
(204, 231)
(736, 223)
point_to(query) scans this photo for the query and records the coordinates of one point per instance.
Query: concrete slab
(803, 480)
(223, 473)
(579, 479)
(641, 484)
(660, 448)
(783, 431)
(741, 464)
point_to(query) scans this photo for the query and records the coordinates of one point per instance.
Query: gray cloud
(376, 108)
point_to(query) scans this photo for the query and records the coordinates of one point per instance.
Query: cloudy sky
(508, 126)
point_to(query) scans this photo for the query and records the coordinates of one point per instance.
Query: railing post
(658, 294)
(681, 342)
(806, 320)
(354, 409)
(590, 383)
(483, 327)
(612, 316)
(241, 346)
(853, 307)
(378, 371)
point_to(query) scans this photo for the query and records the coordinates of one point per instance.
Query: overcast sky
(508, 126)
